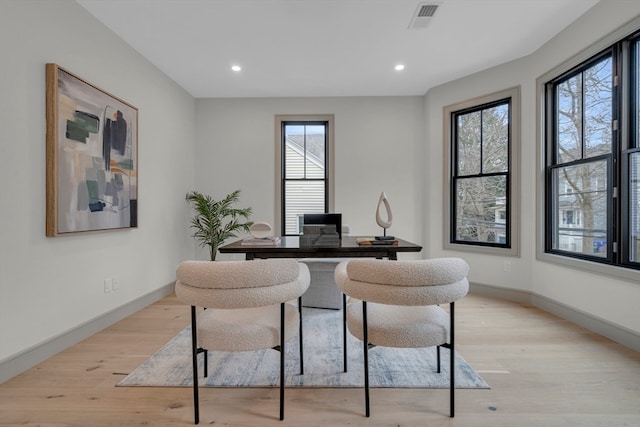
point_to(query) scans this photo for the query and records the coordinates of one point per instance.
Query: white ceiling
(329, 47)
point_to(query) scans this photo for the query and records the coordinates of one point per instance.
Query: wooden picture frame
(92, 157)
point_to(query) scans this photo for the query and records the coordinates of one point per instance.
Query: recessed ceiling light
(399, 67)
(236, 68)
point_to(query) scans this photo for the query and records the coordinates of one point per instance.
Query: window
(568, 218)
(482, 145)
(591, 149)
(305, 153)
(634, 207)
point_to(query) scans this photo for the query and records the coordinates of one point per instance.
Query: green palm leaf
(217, 220)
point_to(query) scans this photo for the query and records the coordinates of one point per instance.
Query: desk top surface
(290, 246)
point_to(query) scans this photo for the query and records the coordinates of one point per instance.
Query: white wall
(379, 146)
(49, 286)
(600, 296)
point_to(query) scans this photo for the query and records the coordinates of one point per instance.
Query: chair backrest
(421, 282)
(240, 284)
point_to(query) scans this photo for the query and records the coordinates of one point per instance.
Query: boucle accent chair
(396, 304)
(247, 307)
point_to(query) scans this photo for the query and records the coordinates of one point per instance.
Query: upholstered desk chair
(247, 307)
(396, 304)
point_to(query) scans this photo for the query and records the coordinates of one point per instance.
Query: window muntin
(481, 202)
(304, 187)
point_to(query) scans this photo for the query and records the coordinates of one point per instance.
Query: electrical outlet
(116, 283)
(108, 285)
(507, 266)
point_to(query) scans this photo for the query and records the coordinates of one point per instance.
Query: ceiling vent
(423, 15)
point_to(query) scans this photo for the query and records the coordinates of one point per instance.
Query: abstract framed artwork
(92, 157)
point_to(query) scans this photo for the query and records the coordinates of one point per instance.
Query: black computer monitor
(325, 218)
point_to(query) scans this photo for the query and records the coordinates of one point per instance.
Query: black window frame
(457, 177)
(283, 166)
(624, 141)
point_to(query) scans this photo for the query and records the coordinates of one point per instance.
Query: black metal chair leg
(438, 357)
(452, 362)
(301, 339)
(344, 331)
(365, 343)
(282, 361)
(194, 359)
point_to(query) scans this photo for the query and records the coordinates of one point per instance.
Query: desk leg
(393, 256)
(249, 256)
(344, 331)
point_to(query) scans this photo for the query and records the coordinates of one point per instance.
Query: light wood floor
(543, 371)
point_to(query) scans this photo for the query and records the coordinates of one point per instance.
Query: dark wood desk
(289, 247)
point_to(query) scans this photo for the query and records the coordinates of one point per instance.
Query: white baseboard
(28, 358)
(617, 333)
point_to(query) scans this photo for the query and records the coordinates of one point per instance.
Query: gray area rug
(388, 367)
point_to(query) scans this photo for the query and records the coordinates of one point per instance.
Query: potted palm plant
(217, 220)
